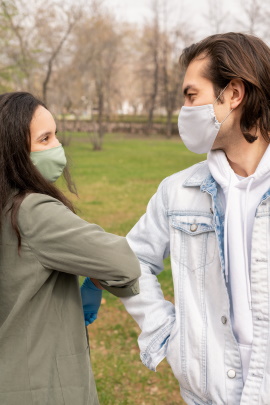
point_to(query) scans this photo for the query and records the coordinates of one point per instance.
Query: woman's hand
(91, 299)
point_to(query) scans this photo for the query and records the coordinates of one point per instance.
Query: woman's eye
(45, 139)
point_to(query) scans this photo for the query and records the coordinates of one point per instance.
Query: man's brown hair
(238, 56)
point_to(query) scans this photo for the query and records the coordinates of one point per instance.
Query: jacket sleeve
(149, 239)
(64, 242)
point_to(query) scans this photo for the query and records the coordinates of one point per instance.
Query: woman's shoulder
(35, 198)
(36, 207)
(33, 201)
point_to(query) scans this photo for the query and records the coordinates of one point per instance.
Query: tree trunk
(169, 124)
(99, 127)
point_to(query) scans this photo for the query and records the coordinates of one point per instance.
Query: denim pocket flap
(192, 225)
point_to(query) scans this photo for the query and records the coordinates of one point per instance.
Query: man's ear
(238, 92)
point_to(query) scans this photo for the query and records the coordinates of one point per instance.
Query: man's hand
(91, 299)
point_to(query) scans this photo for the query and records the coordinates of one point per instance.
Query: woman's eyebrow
(43, 135)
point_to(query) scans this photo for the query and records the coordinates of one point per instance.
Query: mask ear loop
(222, 91)
(227, 116)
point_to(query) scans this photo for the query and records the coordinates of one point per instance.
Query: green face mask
(50, 162)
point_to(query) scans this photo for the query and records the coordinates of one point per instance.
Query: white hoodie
(242, 196)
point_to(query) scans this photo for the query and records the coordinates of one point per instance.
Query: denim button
(193, 227)
(224, 320)
(231, 373)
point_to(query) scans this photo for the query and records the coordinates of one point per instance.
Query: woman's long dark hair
(18, 175)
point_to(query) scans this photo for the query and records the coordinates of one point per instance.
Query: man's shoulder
(181, 192)
(193, 175)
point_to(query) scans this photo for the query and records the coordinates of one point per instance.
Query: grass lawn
(114, 186)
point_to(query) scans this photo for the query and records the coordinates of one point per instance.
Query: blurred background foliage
(93, 69)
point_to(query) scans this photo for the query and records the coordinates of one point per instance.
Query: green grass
(126, 118)
(157, 119)
(114, 186)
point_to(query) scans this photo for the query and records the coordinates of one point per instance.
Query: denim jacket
(184, 219)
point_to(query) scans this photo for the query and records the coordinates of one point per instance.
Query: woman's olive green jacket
(44, 353)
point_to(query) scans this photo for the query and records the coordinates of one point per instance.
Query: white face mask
(198, 126)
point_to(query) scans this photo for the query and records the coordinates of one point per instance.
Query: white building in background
(127, 108)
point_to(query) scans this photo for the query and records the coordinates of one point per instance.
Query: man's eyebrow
(188, 87)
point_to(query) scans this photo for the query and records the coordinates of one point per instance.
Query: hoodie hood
(241, 196)
(224, 174)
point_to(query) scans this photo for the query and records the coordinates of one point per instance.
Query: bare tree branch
(55, 53)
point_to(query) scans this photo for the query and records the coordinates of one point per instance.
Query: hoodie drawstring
(245, 245)
(226, 258)
(226, 255)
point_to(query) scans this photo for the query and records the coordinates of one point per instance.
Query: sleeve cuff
(126, 291)
(157, 348)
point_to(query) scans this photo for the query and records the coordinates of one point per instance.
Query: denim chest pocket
(194, 240)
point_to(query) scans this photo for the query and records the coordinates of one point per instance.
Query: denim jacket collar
(198, 177)
(202, 178)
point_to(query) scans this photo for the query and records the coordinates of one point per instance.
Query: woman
(44, 246)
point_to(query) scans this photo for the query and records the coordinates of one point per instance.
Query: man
(213, 219)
